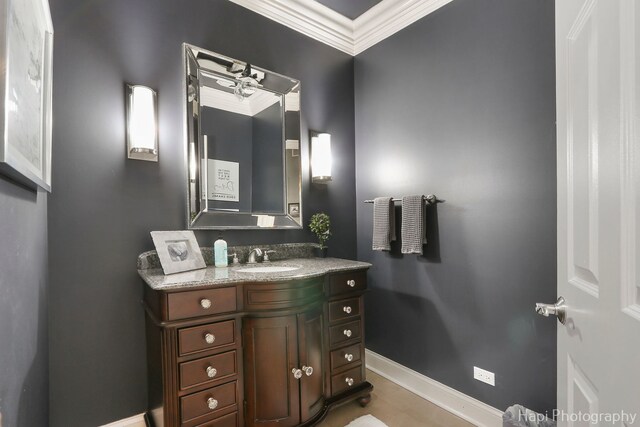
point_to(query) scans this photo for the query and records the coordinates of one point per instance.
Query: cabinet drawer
(229, 420)
(341, 333)
(344, 356)
(206, 337)
(207, 369)
(282, 295)
(344, 309)
(347, 282)
(208, 401)
(183, 305)
(346, 380)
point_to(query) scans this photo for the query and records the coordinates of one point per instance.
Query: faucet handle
(235, 258)
(266, 255)
(255, 252)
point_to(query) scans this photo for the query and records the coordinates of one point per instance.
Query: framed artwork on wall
(26, 49)
(178, 251)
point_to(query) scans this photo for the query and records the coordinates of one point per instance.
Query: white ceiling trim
(387, 18)
(308, 17)
(328, 26)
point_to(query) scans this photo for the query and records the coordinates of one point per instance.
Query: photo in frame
(178, 251)
(26, 47)
(294, 210)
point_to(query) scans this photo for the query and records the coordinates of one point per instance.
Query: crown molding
(350, 36)
(387, 18)
(309, 18)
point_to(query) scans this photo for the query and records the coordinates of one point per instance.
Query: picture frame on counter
(178, 251)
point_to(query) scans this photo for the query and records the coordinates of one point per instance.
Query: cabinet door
(272, 393)
(311, 337)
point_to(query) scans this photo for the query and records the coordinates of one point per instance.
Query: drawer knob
(211, 371)
(205, 303)
(297, 373)
(209, 338)
(349, 381)
(347, 333)
(351, 283)
(349, 357)
(308, 370)
(346, 309)
(212, 403)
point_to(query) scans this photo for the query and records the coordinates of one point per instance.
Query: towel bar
(429, 198)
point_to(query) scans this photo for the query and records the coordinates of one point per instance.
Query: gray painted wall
(24, 369)
(268, 167)
(230, 138)
(462, 104)
(104, 205)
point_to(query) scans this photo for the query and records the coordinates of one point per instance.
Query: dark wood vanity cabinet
(283, 368)
(256, 354)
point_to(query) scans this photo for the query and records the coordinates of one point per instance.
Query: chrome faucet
(255, 252)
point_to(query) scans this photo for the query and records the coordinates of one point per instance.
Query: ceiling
(351, 26)
(349, 8)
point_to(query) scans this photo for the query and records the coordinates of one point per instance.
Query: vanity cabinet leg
(364, 400)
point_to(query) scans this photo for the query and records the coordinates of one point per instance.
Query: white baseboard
(466, 407)
(135, 421)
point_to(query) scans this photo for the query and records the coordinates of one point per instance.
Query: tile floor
(396, 407)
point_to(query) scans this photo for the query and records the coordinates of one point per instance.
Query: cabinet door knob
(212, 403)
(349, 357)
(297, 373)
(349, 381)
(347, 333)
(205, 303)
(308, 370)
(211, 371)
(209, 338)
(346, 309)
(351, 283)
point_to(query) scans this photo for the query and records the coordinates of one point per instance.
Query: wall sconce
(142, 123)
(320, 157)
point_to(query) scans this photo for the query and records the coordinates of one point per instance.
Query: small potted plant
(320, 225)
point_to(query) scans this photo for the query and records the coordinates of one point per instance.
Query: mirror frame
(199, 217)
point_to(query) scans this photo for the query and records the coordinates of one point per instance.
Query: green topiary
(320, 225)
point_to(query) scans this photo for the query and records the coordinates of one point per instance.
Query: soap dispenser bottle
(220, 252)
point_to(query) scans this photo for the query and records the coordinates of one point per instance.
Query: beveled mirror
(242, 137)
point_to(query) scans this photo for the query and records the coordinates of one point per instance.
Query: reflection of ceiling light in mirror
(225, 83)
(245, 87)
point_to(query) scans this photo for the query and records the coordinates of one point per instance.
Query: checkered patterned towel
(413, 236)
(384, 223)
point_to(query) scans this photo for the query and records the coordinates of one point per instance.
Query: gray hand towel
(413, 236)
(384, 223)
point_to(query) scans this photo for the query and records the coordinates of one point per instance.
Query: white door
(598, 114)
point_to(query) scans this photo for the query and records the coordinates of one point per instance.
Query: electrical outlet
(484, 376)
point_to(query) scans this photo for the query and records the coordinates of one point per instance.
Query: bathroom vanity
(272, 344)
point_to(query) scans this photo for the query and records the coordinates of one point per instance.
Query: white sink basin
(269, 269)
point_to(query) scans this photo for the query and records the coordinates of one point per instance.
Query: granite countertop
(309, 267)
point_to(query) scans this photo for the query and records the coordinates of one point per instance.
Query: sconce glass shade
(142, 123)
(321, 157)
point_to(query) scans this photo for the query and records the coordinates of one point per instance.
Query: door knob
(211, 371)
(558, 309)
(308, 370)
(212, 403)
(297, 373)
